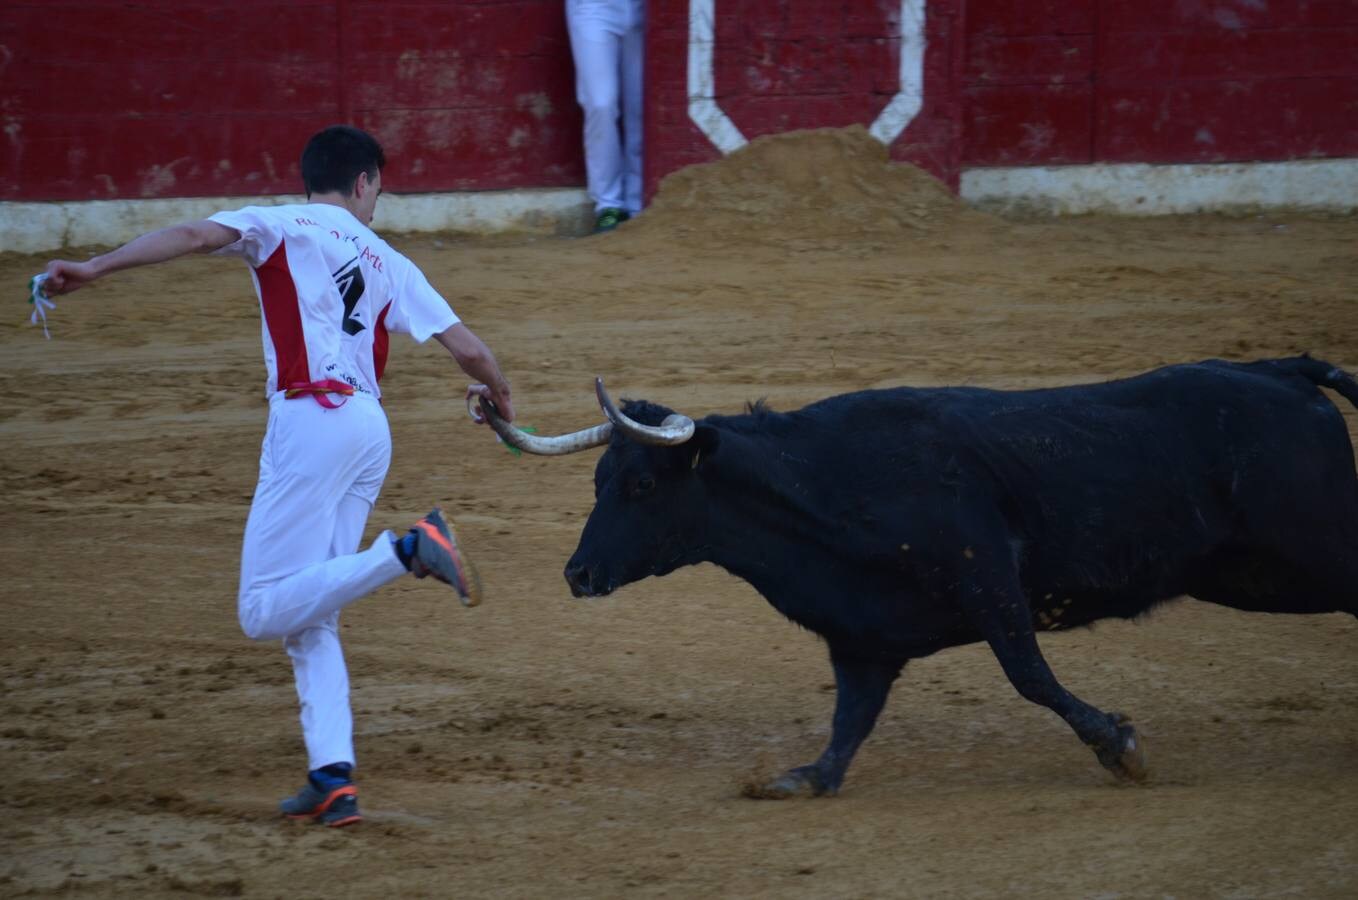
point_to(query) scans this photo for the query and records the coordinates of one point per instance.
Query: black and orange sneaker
(335, 807)
(437, 553)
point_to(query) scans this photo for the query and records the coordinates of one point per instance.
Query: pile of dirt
(827, 183)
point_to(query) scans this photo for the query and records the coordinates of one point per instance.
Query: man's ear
(361, 185)
(702, 445)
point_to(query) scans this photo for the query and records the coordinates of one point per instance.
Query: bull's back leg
(995, 603)
(861, 688)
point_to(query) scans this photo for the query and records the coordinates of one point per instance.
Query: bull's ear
(702, 445)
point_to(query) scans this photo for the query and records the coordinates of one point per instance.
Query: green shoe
(610, 218)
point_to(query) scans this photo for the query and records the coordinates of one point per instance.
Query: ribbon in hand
(38, 300)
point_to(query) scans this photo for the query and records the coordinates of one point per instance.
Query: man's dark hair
(334, 157)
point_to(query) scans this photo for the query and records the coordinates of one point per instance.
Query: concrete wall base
(1321, 185)
(1329, 186)
(43, 227)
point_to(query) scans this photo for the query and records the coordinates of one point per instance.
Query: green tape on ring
(527, 429)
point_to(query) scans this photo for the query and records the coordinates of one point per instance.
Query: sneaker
(436, 553)
(336, 807)
(609, 219)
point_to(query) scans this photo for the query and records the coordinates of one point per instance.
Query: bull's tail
(1320, 373)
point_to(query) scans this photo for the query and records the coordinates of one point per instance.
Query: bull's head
(648, 505)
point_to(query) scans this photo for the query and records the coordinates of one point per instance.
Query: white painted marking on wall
(702, 103)
(707, 114)
(909, 97)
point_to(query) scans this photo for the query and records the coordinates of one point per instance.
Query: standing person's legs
(596, 44)
(633, 98)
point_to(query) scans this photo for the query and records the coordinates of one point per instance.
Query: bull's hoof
(802, 782)
(1128, 759)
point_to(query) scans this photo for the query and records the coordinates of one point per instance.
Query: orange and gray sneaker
(437, 553)
(334, 806)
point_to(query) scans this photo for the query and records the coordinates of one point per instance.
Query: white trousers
(320, 471)
(608, 42)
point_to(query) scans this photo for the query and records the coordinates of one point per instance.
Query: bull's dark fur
(895, 523)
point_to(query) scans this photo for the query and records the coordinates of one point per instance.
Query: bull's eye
(644, 485)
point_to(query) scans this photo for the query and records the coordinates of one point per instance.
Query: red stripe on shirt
(278, 297)
(381, 341)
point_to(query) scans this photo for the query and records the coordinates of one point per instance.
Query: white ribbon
(40, 303)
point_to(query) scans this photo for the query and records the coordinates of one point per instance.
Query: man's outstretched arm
(474, 357)
(203, 236)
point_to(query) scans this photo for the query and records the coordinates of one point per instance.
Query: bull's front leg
(861, 688)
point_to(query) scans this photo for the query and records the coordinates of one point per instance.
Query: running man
(330, 291)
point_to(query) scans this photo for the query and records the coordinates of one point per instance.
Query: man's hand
(64, 276)
(500, 399)
(476, 360)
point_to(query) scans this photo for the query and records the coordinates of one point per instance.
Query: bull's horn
(674, 430)
(532, 443)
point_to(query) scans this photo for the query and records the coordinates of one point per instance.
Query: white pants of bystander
(608, 43)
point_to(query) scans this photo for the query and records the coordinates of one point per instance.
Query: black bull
(895, 523)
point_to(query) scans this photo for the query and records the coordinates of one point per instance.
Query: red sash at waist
(320, 390)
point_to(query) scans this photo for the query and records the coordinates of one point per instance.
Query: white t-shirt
(330, 290)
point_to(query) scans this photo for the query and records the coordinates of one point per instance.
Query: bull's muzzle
(586, 581)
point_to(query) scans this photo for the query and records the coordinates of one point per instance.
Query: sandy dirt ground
(542, 746)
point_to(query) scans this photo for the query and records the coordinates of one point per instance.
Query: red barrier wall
(102, 99)
(191, 98)
(1159, 81)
